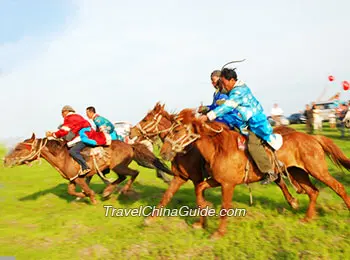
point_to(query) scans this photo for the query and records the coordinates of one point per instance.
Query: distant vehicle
(284, 121)
(123, 129)
(297, 118)
(326, 108)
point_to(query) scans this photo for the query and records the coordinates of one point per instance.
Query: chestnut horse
(302, 154)
(118, 156)
(188, 166)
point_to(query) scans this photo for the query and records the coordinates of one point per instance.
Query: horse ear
(163, 106)
(33, 137)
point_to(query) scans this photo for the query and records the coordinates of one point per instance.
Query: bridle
(151, 129)
(179, 145)
(35, 151)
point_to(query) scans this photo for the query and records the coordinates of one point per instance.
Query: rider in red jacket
(73, 123)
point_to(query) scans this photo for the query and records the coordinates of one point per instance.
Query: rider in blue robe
(242, 109)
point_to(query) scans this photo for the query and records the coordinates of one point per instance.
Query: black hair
(91, 109)
(229, 74)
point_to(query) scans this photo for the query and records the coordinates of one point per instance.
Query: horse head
(186, 131)
(181, 135)
(156, 121)
(25, 152)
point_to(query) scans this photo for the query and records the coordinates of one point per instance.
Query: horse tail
(333, 152)
(146, 158)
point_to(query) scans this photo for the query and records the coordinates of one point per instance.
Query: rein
(179, 145)
(148, 130)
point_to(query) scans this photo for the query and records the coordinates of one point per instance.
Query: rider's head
(67, 109)
(90, 112)
(215, 78)
(228, 79)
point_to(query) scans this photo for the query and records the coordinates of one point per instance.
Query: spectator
(276, 114)
(341, 113)
(332, 119)
(309, 119)
(317, 118)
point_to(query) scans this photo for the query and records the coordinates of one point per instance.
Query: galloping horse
(117, 157)
(187, 166)
(302, 155)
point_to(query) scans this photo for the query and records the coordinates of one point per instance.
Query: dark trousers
(257, 152)
(309, 126)
(75, 153)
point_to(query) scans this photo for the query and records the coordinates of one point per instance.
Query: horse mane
(284, 130)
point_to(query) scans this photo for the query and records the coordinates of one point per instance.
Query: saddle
(98, 152)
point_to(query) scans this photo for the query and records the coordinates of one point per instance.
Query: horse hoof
(295, 204)
(206, 204)
(305, 220)
(198, 225)
(217, 235)
(93, 201)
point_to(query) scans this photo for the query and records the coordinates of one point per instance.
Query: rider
(217, 96)
(102, 124)
(73, 123)
(253, 122)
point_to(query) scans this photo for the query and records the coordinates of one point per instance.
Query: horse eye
(144, 120)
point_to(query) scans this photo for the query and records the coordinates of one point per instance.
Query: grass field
(39, 220)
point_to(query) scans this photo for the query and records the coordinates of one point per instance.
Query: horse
(116, 156)
(188, 166)
(302, 155)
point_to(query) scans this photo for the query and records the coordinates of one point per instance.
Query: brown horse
(302, 154)
(117, 157)
(187, 166)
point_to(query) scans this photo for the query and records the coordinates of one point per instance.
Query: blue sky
(31, 18)
(123, 57)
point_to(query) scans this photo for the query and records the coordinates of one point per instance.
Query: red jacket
(72, 122)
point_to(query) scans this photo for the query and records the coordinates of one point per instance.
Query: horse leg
(88, 179)
(111, 187)
(201, 202)
(71, 190)
(335, 185)
(89, 192)
(296, 185)
(174, 186)
(227, 194)
(133, 173)
(293, 202)
(303, 179)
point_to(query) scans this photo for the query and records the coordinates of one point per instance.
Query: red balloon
(346, 85)
(331, 78)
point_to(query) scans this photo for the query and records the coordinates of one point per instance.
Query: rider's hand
(203, 109)
(48, 134)
(220, 102)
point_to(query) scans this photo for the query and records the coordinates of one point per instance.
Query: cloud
(122, 57)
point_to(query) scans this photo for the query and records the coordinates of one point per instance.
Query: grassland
(39, 220)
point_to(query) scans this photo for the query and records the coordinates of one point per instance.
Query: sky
(124, 56)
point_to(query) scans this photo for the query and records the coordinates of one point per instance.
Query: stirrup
(84, 172)
(269, 177)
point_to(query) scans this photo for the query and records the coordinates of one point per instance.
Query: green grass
(39, 220)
